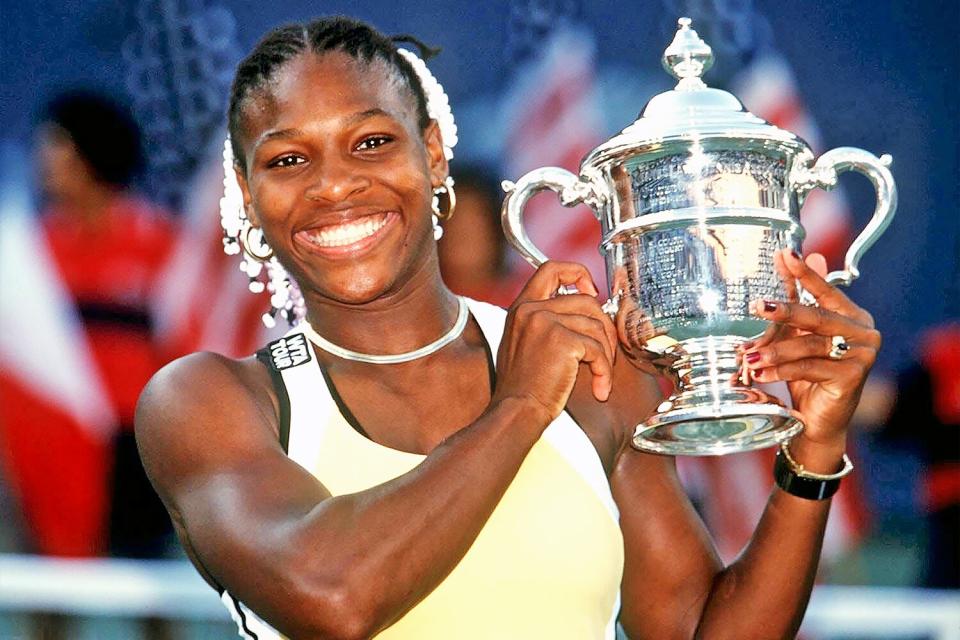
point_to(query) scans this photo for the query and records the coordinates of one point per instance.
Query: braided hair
(357, 39)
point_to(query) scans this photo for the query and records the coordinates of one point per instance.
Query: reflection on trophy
(694, 199)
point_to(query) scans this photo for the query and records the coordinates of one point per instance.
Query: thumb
(817, 263)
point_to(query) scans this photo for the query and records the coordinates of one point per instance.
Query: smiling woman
(407, 464)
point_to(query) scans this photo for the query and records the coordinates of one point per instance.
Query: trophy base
(701, 423)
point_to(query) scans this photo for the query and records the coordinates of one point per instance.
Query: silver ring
(838, 348)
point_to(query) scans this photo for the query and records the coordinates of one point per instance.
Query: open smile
(348, 237)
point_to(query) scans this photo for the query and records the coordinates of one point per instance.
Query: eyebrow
(293, 133)
(369, 113)
(275, 135)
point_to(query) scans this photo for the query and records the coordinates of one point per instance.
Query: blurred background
(111, 263)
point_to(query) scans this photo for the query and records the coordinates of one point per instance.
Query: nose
(337, 180)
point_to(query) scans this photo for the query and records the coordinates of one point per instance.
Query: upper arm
(210, 451)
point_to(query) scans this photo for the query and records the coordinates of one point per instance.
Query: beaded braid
(259, 263)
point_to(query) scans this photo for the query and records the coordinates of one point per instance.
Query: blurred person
(83, 492)
(407, 463)
(927, 412)
(473, 248)
(109, 245)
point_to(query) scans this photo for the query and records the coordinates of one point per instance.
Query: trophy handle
(824, 175)
(569, 187)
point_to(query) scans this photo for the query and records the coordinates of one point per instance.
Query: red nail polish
(758, 373)
(753, 357)
(795, 254)
(769, 307)
(746, 345)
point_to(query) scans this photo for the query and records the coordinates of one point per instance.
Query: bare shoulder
(203, 409)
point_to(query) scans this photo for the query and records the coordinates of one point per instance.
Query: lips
(347, 236)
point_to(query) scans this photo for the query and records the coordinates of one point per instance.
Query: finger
(592, 353)
(769, 335)
(847, 374)
(809, 276)
(552, 275)
(818, 263)
(817, 320)
(786, 277)
(809, 345)
(590, 327)
(584, 305)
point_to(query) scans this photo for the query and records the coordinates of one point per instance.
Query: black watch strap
(797, 482)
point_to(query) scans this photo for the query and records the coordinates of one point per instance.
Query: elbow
(348, 617)
(333, 608)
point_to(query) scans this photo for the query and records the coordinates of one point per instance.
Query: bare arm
(674, 583)
(311, 564)
(320, 566)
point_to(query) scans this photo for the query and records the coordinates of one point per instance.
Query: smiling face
(339, 176)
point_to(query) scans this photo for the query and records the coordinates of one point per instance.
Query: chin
(356, 287)
(377, 276)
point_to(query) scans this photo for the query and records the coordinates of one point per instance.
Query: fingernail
(753, 357)
(795, 254)
(769, 307)
(757, 373)
(746, 345)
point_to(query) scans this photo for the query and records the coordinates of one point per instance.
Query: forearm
(384, 549)
(764, 593)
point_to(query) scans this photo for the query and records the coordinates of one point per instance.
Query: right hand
(547, 336)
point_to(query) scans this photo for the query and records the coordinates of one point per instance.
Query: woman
(347, 498)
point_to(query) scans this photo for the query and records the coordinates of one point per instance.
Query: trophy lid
(690, 112)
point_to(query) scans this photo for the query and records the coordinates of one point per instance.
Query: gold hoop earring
(445, 189)
(251, 244)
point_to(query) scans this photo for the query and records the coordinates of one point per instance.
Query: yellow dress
(548, 561)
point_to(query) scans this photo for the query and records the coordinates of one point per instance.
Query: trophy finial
(688, 57)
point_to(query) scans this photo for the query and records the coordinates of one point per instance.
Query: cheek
(272, 205)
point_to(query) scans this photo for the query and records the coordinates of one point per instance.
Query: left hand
(796, 348)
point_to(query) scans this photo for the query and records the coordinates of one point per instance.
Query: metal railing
(172, 589)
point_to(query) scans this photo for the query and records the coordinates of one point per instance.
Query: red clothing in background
(110, 271)
(58, 468)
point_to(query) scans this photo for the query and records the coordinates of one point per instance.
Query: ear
(439, 169)
(247, 198)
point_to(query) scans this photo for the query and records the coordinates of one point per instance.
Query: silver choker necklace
(393, 358)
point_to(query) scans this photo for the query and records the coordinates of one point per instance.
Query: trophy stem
(712, 412)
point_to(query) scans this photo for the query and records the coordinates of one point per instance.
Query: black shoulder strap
(265, 356)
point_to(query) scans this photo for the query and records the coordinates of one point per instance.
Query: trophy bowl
(694, 199)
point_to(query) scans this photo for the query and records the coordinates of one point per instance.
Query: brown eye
(373, 142)
(286, 161)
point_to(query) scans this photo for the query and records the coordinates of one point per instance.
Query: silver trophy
(694, 199)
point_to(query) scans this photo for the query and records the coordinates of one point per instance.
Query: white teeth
(339, 235)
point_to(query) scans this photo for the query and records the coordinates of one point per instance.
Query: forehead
(326, 87)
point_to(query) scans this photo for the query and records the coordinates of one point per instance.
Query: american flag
(203, 302)
(554, 120)
(767, 87)
(181, 84)
(56, 419)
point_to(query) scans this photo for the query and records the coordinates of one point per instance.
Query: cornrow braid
(357, 39)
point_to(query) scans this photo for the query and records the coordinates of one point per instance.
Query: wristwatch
(797, 481)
